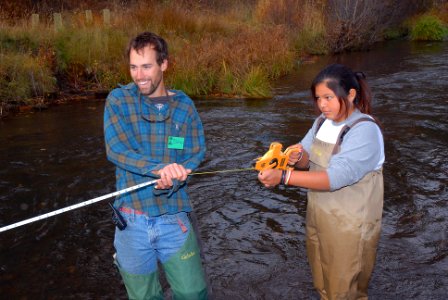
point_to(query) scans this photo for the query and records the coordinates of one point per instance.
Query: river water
(252, 238)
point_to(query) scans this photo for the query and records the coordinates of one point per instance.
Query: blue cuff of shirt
(174, 188)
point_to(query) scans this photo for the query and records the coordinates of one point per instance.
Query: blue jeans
(149, 239)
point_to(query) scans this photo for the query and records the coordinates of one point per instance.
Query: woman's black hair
(341, 79)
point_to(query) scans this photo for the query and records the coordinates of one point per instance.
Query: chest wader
(342, 231)
(183, 271)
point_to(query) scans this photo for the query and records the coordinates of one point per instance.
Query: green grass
(256, 84)
(23, 77)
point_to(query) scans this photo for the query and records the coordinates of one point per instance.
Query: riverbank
(253, 238)
(235, 49)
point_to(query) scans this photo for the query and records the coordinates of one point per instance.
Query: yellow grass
(237, 49)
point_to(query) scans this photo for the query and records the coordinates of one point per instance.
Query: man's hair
(149, 39)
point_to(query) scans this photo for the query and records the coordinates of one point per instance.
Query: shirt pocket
(177, 134)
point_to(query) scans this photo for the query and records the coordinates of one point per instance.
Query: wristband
(282, 180)
(288, 176)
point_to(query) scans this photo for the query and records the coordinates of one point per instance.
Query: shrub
(428, 28)
(23, 77)
(219, 64)
(86, 56)
(394, 33)
(312, 34)
(16, 43)
(279, 12)
(256, 84)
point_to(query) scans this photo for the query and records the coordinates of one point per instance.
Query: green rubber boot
(142, 287)
(184, 272)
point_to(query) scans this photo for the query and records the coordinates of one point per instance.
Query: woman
(340, 161)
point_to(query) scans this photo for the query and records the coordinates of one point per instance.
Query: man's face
(146, 72)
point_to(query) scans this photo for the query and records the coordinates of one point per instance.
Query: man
(152, 132)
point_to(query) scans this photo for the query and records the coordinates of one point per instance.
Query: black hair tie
(360, 75)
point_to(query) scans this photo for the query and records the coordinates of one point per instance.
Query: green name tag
(175, 142)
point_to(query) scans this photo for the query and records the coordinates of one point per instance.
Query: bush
(217, 47)
(256, 84)
(230, 64)
(91, 57)
(428, 28)
(23, 77)
(17, 41)
(395, 33)
(279, 12)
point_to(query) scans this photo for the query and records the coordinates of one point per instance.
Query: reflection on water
(253, 238)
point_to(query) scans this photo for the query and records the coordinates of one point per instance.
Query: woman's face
(327, 102)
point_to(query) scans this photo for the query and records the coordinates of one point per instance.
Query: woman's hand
(296, 154)
(270, 178)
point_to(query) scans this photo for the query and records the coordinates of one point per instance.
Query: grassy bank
(236, 49)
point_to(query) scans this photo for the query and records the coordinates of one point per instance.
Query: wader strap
(344, 131)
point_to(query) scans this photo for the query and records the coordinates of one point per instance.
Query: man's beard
(151, 89)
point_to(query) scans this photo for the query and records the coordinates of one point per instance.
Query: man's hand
(169, 173)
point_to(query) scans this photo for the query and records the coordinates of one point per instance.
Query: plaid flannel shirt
(136, 135)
